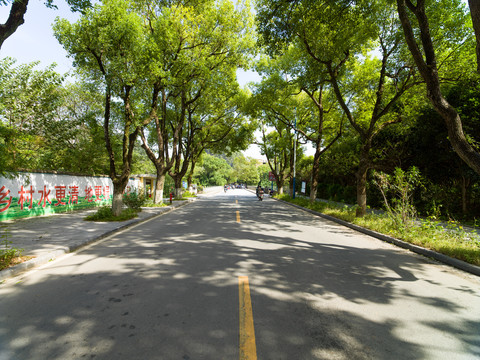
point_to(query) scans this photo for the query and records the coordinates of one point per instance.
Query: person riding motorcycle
(259, 192)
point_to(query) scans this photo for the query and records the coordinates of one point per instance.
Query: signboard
(304, 184)
(271, 176)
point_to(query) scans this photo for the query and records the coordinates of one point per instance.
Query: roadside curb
(43, 259)
(459, 264)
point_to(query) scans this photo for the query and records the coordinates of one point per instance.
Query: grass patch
(188, 194)
(451, 239)
(150, 203)
(105, 214)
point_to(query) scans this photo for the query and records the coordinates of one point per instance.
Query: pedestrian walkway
(48, 237)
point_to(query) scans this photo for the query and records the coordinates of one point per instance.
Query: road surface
(230, 277)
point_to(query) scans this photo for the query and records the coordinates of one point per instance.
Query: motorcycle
(260, 195)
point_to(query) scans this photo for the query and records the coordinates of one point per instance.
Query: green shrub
(397, 192)
(7, 253)
(134, 200)
(105, 213)
(188, 194)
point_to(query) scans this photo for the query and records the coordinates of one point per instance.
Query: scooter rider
(259, 192)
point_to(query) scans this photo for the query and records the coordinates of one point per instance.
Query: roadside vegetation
(399, 218)
(9, 255)
(150, 203)
(105, 213)
(134, 202)
(387, 126)
(448, 238)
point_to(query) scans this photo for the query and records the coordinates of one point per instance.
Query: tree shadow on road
(169, 290)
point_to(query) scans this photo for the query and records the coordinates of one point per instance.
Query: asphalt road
(176, 286)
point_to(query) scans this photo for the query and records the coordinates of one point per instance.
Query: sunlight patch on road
(301, 244)
(260, 245)
(278, 295)
(181, 276)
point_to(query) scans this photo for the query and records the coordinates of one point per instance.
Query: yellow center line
(238, 216)
(248, 349)
(236, 201)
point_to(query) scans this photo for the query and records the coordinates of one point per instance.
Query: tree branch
(15, 19)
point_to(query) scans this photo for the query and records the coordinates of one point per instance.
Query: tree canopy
(354, 84)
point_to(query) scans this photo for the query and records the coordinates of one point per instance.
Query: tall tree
(30, 100)
(76, 129)
(213, 171)
(216, 122)
(106, 44)
(194, 42)
(46, 125)
(245, 170)
(347, 33)
(416, 24)
(317, 120)
(273, 105)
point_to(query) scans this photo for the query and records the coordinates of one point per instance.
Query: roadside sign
(271, 176)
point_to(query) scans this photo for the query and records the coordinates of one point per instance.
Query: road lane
(168, 289)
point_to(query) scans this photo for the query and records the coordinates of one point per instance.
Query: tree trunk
(279, 186)
(117, 202)
(455, 132)
(313, 189)
(178, 187)
(475, 13)
(315, 171)
(361, 192)
(190, 176)
(362, 172)
(160, 184)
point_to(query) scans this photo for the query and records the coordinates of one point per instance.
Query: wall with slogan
(34, 194)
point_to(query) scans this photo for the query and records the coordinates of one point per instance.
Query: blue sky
(34, 39)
